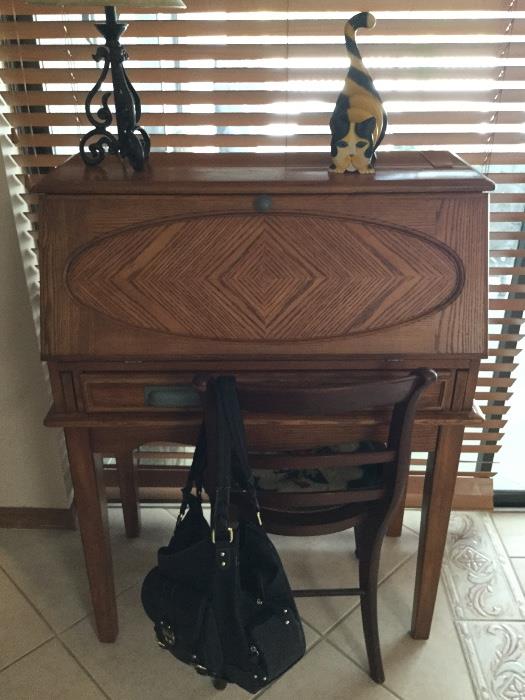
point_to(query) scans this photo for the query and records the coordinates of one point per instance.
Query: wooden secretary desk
(266, 266)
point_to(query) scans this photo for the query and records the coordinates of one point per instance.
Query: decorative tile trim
(495, 653)
(478, 575)
(473, 662)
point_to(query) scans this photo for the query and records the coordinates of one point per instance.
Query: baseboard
(59, 518)
(471, 492)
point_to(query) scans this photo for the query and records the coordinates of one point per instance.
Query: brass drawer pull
(174, 396)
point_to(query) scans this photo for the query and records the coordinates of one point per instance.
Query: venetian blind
(263, 76)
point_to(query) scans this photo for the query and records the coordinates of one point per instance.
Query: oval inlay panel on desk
(282, 276)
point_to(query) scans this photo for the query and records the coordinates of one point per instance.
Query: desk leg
(129, 492)
(90, 501)
(438, 491)
(395, 525)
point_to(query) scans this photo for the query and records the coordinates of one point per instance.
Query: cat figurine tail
(359, 121)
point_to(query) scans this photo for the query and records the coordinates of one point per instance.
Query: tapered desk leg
(91, 508)
(129, 492)
(438, 492)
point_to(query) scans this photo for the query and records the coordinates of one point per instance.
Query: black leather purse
(219, 597)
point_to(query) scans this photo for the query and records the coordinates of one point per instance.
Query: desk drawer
(173, 391)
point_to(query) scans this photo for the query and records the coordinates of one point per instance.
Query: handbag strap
(226, 433)
(240, 466)
(196, 472)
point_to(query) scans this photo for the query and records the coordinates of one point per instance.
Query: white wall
(32, 471)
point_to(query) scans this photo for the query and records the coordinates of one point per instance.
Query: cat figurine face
(359, 121)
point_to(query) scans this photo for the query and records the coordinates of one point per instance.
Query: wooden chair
(368, 510)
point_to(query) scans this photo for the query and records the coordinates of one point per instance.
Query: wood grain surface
(231, 173)
(284, 276)
(208, 277)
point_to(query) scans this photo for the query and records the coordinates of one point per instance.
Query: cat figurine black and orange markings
(359, 121)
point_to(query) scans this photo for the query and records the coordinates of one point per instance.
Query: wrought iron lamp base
(131, 141)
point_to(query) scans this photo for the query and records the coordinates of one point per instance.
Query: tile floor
(49, 651)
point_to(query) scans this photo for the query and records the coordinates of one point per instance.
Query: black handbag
(219, 597)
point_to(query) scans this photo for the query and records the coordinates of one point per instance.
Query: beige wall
(32, 471)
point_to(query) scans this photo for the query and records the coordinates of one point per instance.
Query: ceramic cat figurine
(359, 121)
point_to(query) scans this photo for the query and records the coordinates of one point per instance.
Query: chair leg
(129, 492)
(369, 536)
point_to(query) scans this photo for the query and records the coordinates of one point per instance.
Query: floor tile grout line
(128, 588)
(349, 612)
(403, 524)
(315, 644)
(28, 600)
(494, 620)
(27, 653)
(470, 669)
(56, 631)
(74, 624)
(170, 514)
(501, 539)
(347, 656)
(519, 584)
(90, 615)
(79, 663)
(415, 532)
(454, 621)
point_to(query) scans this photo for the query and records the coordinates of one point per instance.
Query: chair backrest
(328, 511)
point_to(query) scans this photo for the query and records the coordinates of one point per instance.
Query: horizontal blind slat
(506, 304)
(508, 235)
(52, 29)
(242, 118)
(239, 51)
(510, 270)
(498, 366)
(483, 449)
(236, 97)
(20, 6)
(36, 76)
(246, 140)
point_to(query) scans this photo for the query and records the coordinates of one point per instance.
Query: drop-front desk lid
(223, 173)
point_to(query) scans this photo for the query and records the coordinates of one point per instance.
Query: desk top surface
(228, 173)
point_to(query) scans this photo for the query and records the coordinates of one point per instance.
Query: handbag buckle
(230, 535)
(168, 636)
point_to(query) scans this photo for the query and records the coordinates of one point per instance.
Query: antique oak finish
(270, 267)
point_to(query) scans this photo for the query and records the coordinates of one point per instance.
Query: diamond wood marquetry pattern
(281, 276)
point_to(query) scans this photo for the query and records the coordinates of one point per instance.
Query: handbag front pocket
(279, 641)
